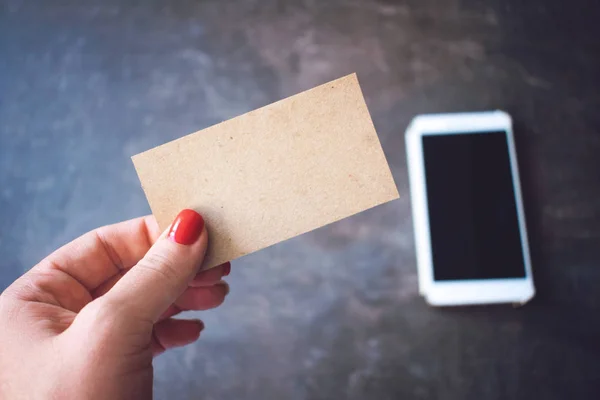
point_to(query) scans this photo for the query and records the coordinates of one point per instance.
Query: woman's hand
(86, 321)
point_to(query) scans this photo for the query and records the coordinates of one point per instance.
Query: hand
(86, 321)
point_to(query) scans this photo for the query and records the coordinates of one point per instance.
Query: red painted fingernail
(222, 286)
(187, 227)
(199, 322)
(227, 269)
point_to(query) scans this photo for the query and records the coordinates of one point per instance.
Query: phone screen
(473, 218)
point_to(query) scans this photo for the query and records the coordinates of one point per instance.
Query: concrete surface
(334, 313)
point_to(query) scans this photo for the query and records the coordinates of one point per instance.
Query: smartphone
(469, 222)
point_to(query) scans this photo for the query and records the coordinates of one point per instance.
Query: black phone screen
(473, 218)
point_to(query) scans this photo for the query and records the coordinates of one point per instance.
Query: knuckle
(161, 264)
(101, 313)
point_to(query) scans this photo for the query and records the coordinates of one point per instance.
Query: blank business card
(273, 173)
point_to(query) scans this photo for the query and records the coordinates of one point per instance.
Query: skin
(86, 321)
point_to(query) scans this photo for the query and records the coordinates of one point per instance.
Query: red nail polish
(199, 322)
(187, 227)
(227, 269)
(222, 286)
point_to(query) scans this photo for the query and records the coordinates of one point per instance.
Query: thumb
(164, 273)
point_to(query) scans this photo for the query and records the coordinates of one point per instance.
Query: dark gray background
(334, 313)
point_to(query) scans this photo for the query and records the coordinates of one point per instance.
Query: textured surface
(334, 313)
(273, 173)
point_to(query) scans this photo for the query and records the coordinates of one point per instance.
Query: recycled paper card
(273, 173)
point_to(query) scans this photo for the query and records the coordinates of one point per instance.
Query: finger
(208, 277)
(102, 254)
(197, 299)
(52, 287)
(107, 285)
(211, 276)
(174, 333)
(203, 298)
(170, 312)
(163, 274)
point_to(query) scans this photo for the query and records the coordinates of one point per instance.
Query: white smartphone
(468, 216)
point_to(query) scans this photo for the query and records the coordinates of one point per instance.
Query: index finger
(99, 255)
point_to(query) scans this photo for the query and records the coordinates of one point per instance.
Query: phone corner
(410, 129)
(528, 296)
(417, 124)
(431, 302)
(504, 116)
(434, 300)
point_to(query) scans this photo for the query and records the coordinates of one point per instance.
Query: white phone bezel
(461, 292)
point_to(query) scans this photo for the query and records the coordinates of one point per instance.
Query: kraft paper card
(273, 173)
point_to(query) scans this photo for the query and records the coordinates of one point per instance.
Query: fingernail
(223, 286)
(199, 322)
(226, 269)
(187, 227)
